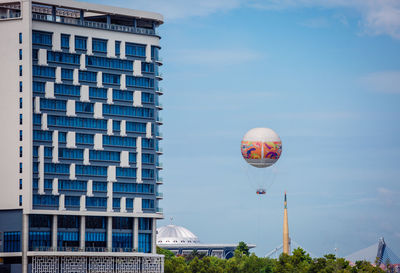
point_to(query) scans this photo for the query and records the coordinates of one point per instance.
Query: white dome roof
(171, 234)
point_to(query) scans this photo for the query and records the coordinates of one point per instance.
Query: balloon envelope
(261, 147)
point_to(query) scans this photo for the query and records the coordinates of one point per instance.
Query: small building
(182, 241)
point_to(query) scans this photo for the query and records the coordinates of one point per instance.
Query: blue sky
(325, 75)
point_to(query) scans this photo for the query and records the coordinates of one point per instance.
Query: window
(67, 74)
(84, 138)
(40, 135)
(72, 201)
(99, 186)
(136, 127)
(70, 153)
(62, 57)
(128, 111)
(129, 203)
(116, 203)
(122, 240)
(20, 183)
(135, 50)
(117, 48)
(119, 141)
(132, 158)
(66, 90)
(20, 38)
(111, 78)
(144, 242)
(37, 119)
(145, 224)
(20, 54)
(147, 97)
(148, 158)
(44, 71)
(20, 151)
(80, 43)
(96, 202)
(91, 170)
(99, 45)
(51, 104)
(20, 200)
(122, 95)
(40, 239)
(76, 122)
(147, 67)
(154, 53)
(20, 119)
(147, 203)
(12, 241)
(104, 155)
(116, 125)
(126, 172)
(20, 167)
(35, 53)
(147, 173)
(122, 223)
(104, 62)
(87, 76)
(56, 168)
(20, 86)
(139, 82)
(95, 92)
(20, 135)
(20, 70)
(77, 185)
(65, 41)
(147, 143)
(42, 38)
(45, 200)
(20, 103)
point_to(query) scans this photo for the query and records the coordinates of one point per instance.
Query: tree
(243, 248)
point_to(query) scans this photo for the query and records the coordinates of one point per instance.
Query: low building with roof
(182, 241)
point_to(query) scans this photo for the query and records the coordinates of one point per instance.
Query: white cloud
(382, 82)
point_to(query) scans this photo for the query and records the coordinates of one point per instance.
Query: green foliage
(244, 262)
(243, 248)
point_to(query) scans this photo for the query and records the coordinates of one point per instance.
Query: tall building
(286, 238)
(80, 137)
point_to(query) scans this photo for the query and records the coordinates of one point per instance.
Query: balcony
(159, 195)
(159, 135)
(159, 120)
(160, 181)
(159, 210)
(159, 76)
(159, 105)
(159, 165)
(159, 150)
(92, 24)
(159, 91)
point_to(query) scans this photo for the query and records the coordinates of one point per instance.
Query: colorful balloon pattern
(261, 150)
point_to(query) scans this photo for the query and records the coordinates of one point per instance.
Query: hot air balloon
(261, 148)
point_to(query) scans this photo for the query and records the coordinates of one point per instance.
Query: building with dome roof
(182, 241)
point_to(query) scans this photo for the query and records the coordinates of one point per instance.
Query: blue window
(67, 238)
(61, 57)
(20, 38)
(37, 119)
(87, 76)
(124, 187)
(122, 240)
(111, 78)
(44, 71)
(37, 86)
(72, 201)
(35, 53)
(49, 104)
(77, 185)
(67, 74)
(20, 183)
(20, 54)
(129, 203)
(12, 241)
(155, 53)
(116, 125)
(65, 41)
(84, 107)
(84, 138)
(147, 97)
(119, 141)
(148, 158)
(95, 92)
(136, 127)
(145, 188)
(116, 203)
(20, 103)
(20, 119)
(147, 143)
(80, 43)
(99, 45)
(122, 95)
(20, 135)
(104, 62)
(56, 168)
(100, 202)
(99, 186)
(139, 82)
(129, 111)
(63, 121)
(20, 70)
(70, 153)
(147, 203)
(132, 158)
(117, 48)
(42, 135)
(126, 172)
(48, 184)
(35, 183)
(66, 90)
(45, 200)
(135, 50)
(48, 151)
(20, 86)
(20, 200)
(62, 137)
(91, 170)
(147, 67)
(145, 224)
(42, 38)
(147, 173)
(40, 240)
(104, 155)
(144, 242)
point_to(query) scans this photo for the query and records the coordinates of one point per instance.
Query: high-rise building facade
(79, 142)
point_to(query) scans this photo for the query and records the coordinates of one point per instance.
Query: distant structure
(378, 253)
(182, 241)
(286, 238)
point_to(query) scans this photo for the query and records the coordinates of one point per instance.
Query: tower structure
(80, 137)
(286, 238)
